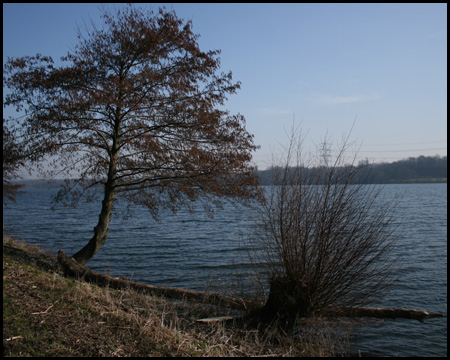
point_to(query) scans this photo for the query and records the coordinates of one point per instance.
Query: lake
(195, 252)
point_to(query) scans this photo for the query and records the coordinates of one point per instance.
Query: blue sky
(324, 64)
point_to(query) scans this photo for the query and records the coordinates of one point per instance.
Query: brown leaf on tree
(137, 109)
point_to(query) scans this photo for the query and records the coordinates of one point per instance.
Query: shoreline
(46, 314)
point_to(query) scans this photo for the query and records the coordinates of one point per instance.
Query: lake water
(193, 251)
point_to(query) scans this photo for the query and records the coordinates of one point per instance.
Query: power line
(412, 143)
(403, 150)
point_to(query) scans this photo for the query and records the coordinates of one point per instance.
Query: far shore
(56, 183)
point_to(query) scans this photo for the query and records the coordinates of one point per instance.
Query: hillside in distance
(422, 169)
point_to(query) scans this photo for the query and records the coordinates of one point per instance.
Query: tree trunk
(287, 301)
(100, 231)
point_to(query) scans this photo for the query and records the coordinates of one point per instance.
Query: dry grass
(45, 314)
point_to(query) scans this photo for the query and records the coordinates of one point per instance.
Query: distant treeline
(412, 170)
(38, 183)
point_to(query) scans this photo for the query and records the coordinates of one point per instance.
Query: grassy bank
(46, 314)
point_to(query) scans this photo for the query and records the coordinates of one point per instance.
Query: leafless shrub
(325, 236)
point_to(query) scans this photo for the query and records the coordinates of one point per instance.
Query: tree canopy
(137, 107)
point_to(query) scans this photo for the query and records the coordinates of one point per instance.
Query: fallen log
(74, 269)
(384, 313)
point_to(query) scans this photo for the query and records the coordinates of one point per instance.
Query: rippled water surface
(193, 251)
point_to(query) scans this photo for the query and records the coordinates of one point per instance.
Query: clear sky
(322, 64)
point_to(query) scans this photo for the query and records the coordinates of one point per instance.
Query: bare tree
(137, 110)
(325, 240)
(13, 159)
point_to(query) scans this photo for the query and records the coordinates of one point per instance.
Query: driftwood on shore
(218, 319)
(74, 269)
(384, 313)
